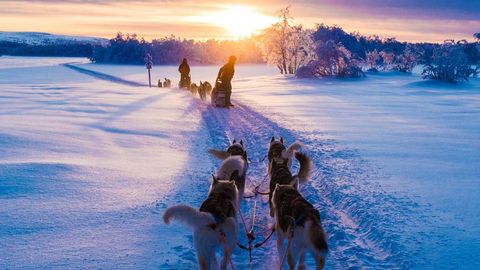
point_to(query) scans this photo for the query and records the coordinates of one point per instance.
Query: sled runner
(219, 95)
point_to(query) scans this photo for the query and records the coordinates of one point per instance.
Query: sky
(407, 20)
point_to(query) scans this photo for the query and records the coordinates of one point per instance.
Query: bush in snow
(406, 61)
(374, 60)
(388, 59)
(332, 60)
(450, 63)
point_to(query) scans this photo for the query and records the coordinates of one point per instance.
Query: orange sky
(211, 19)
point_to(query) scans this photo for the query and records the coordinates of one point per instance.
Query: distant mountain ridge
(40, 38)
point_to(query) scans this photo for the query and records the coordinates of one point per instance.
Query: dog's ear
(234, 176)
(234, 141)
(273, 139)
(214, 179)
(295, 183)
(241, 142)
(281, 140)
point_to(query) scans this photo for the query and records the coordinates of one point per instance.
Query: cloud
(427, 20)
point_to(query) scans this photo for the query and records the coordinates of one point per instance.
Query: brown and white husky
(235, 149)
(277, 149)
(280, 173)
(299, 222)
(214, 224)
(234, 159)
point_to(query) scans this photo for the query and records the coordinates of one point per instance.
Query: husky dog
(277, 149)
(207, 86)
(293, 212)
(235, 149)
(280, 173)
(167, 83)
(234, 160)
(204, 89)
(214, 224)
(160, 84)
(194, 88)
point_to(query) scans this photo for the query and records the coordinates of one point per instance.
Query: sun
(237, 21)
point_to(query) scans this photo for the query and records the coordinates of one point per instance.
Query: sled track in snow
(355, 213)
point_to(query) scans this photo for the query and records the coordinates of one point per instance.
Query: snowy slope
(91, 159)
(39, 38)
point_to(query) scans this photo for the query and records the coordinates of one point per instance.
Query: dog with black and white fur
(298, 222)
(277, 149)
(280, 173)
(214, 224)
(234, 158)
(167, 83)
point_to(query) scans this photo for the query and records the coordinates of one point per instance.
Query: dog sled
(185, 83)
(219, 95)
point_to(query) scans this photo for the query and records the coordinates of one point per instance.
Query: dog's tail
(305, 167)
(222, 155)
(316, 237)
(230, 165)
(294, 147)
(188, 215)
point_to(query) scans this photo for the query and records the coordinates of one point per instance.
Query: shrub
(333, 59)
(374, 61)
(406, 61)
(449, 63)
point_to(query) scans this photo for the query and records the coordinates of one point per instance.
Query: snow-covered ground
(91, 159)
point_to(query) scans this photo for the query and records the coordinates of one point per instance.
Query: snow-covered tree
(285, 45)
(449, 63)
(333, 59)
(374, 60)
(388, 58)
(477, 35)
(406, 61)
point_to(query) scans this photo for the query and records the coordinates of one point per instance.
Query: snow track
(355, 213)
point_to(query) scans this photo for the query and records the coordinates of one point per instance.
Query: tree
(388, 58)
(374, 60)
(406, 61)
(285, 45)
(449, 63)
(333, 59)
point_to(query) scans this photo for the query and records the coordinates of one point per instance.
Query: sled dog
(194, 88)
(299, 222)
(277, 149)
(167, 83)
(234, 158)
(214, 224)
(280, 174)
(207, 86)
(235, 149)
(204, 89)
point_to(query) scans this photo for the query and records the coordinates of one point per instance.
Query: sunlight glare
(238, 21)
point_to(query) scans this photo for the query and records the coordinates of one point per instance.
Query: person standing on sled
(225, 75)
(184, 70)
